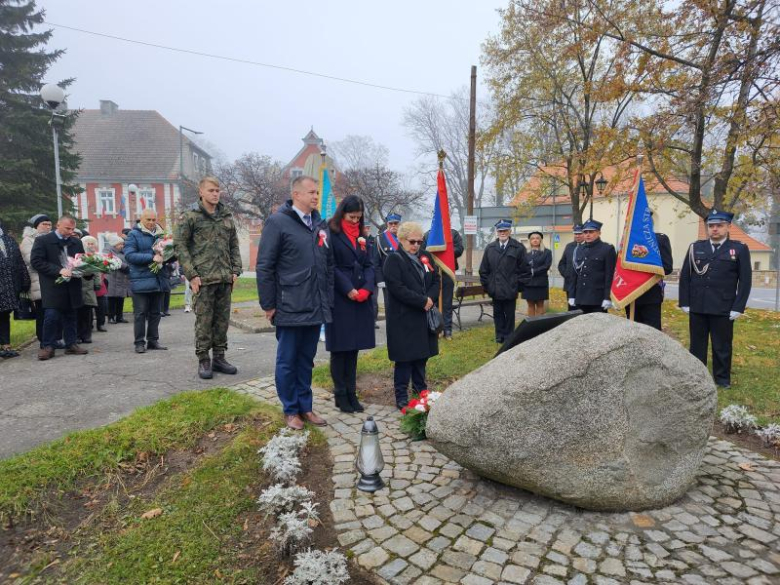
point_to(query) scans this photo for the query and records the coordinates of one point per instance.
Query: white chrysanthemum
(737, 419)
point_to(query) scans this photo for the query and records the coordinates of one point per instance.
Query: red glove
(362, 295)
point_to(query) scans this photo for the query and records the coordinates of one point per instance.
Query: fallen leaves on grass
(153, 513)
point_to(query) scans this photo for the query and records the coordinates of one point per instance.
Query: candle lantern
(370, 462)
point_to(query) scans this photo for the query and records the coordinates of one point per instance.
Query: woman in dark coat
(147, 286)
(412, 282)
(118, 282)
(14, 279)
(352, 328)
(537, 284)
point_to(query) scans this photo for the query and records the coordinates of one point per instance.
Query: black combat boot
(219, 364)
(204, 369)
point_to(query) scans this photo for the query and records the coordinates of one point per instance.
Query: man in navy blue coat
(715, 283)
(295, 284)
(594, 266)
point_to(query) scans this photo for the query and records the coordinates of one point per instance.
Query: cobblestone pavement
(438, 523)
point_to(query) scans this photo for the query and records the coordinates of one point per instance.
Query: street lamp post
(583, 186)
(181, 156)
(54, 97)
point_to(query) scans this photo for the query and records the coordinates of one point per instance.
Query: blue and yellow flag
(327, 197)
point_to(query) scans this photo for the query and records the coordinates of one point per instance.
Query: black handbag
(435, 320)
(26, 309)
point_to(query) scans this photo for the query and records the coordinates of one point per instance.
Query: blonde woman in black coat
(412, 282)
(536, 289)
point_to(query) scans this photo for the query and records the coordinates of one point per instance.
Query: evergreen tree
(27, 183)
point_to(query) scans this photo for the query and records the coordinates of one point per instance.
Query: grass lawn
(244, 290)
(193, 459)
(755, 368)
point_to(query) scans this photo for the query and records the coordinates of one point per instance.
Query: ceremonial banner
(327, 197)
(439, 241)
(639, 265)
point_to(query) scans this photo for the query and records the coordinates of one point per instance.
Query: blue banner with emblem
(640, 250)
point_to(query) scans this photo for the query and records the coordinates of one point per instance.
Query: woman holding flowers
(352, 328)
(412, 282)
(145, 283)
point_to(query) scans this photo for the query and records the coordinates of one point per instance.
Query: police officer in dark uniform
(594, 266)
(566, 266)
(386, 244)
(447, 284)
(501, 272)
(715, 283)
(647, 308)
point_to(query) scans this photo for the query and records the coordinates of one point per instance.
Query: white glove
(686, 310)
(606, 304)
(572, 302)
(381, 285)
(734, 315)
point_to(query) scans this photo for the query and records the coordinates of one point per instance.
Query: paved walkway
(437, 523)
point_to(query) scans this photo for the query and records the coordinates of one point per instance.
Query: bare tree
(253, 185)
(358, 152)
(437, 124)
(381, 189)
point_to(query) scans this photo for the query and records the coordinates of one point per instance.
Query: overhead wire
(245, 61)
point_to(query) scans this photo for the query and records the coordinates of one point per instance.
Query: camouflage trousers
(212, 318)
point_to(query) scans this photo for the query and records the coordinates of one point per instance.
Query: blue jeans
(295, 353)
(56, 321)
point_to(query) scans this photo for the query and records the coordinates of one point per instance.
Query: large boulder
(600, 412)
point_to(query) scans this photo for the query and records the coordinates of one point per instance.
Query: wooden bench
(470, 288)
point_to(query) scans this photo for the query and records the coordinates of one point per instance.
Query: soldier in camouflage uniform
(207, 247)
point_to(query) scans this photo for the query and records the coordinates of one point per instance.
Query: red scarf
(351, 230)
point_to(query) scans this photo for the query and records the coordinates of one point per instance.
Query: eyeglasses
(416, 242)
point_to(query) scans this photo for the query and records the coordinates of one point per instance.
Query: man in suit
(295, 283)
(647, 308)
(715, 283)
(565, 266)
(447, 284)
(594, 267)
(49, 257)
(500, 273)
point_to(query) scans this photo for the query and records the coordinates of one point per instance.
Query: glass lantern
(370, 462)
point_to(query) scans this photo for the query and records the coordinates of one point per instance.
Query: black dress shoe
(140, 348)
(102, 329)
(204, 369)
(219, 364)
(85, 341)
(123, 320)
(155, 345)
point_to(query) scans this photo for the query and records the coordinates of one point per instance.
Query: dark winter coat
(408, 336)
(47, 258)
(294, 272)
(655, 296)
(725, 286)
(13, 274)
(538, 264)
(501, 272)
(383, 249)
(353, 323)
(566, 265)
(119, 280)
(594, 267)
(139, 255)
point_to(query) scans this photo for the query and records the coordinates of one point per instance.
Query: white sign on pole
(470, 225)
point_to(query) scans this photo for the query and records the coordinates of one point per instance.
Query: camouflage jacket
(207, 245)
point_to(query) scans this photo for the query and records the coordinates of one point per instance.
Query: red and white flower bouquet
(415, 414)
(90, 263)
(164, 247)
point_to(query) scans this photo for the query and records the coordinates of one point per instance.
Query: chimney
(108, 108)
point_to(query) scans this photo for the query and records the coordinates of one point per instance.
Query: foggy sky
(425, 45)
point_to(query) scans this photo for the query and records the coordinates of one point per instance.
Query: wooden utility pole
(471, 169)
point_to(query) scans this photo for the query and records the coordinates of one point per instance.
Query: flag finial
(442, 155)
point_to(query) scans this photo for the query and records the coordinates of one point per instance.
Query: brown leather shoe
(45, 353)
(314, 419)
(294, 422)
(75, 350)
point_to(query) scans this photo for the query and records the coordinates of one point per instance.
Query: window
(296, 173)
(106, 203)
(757, 265)
(145, 200)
